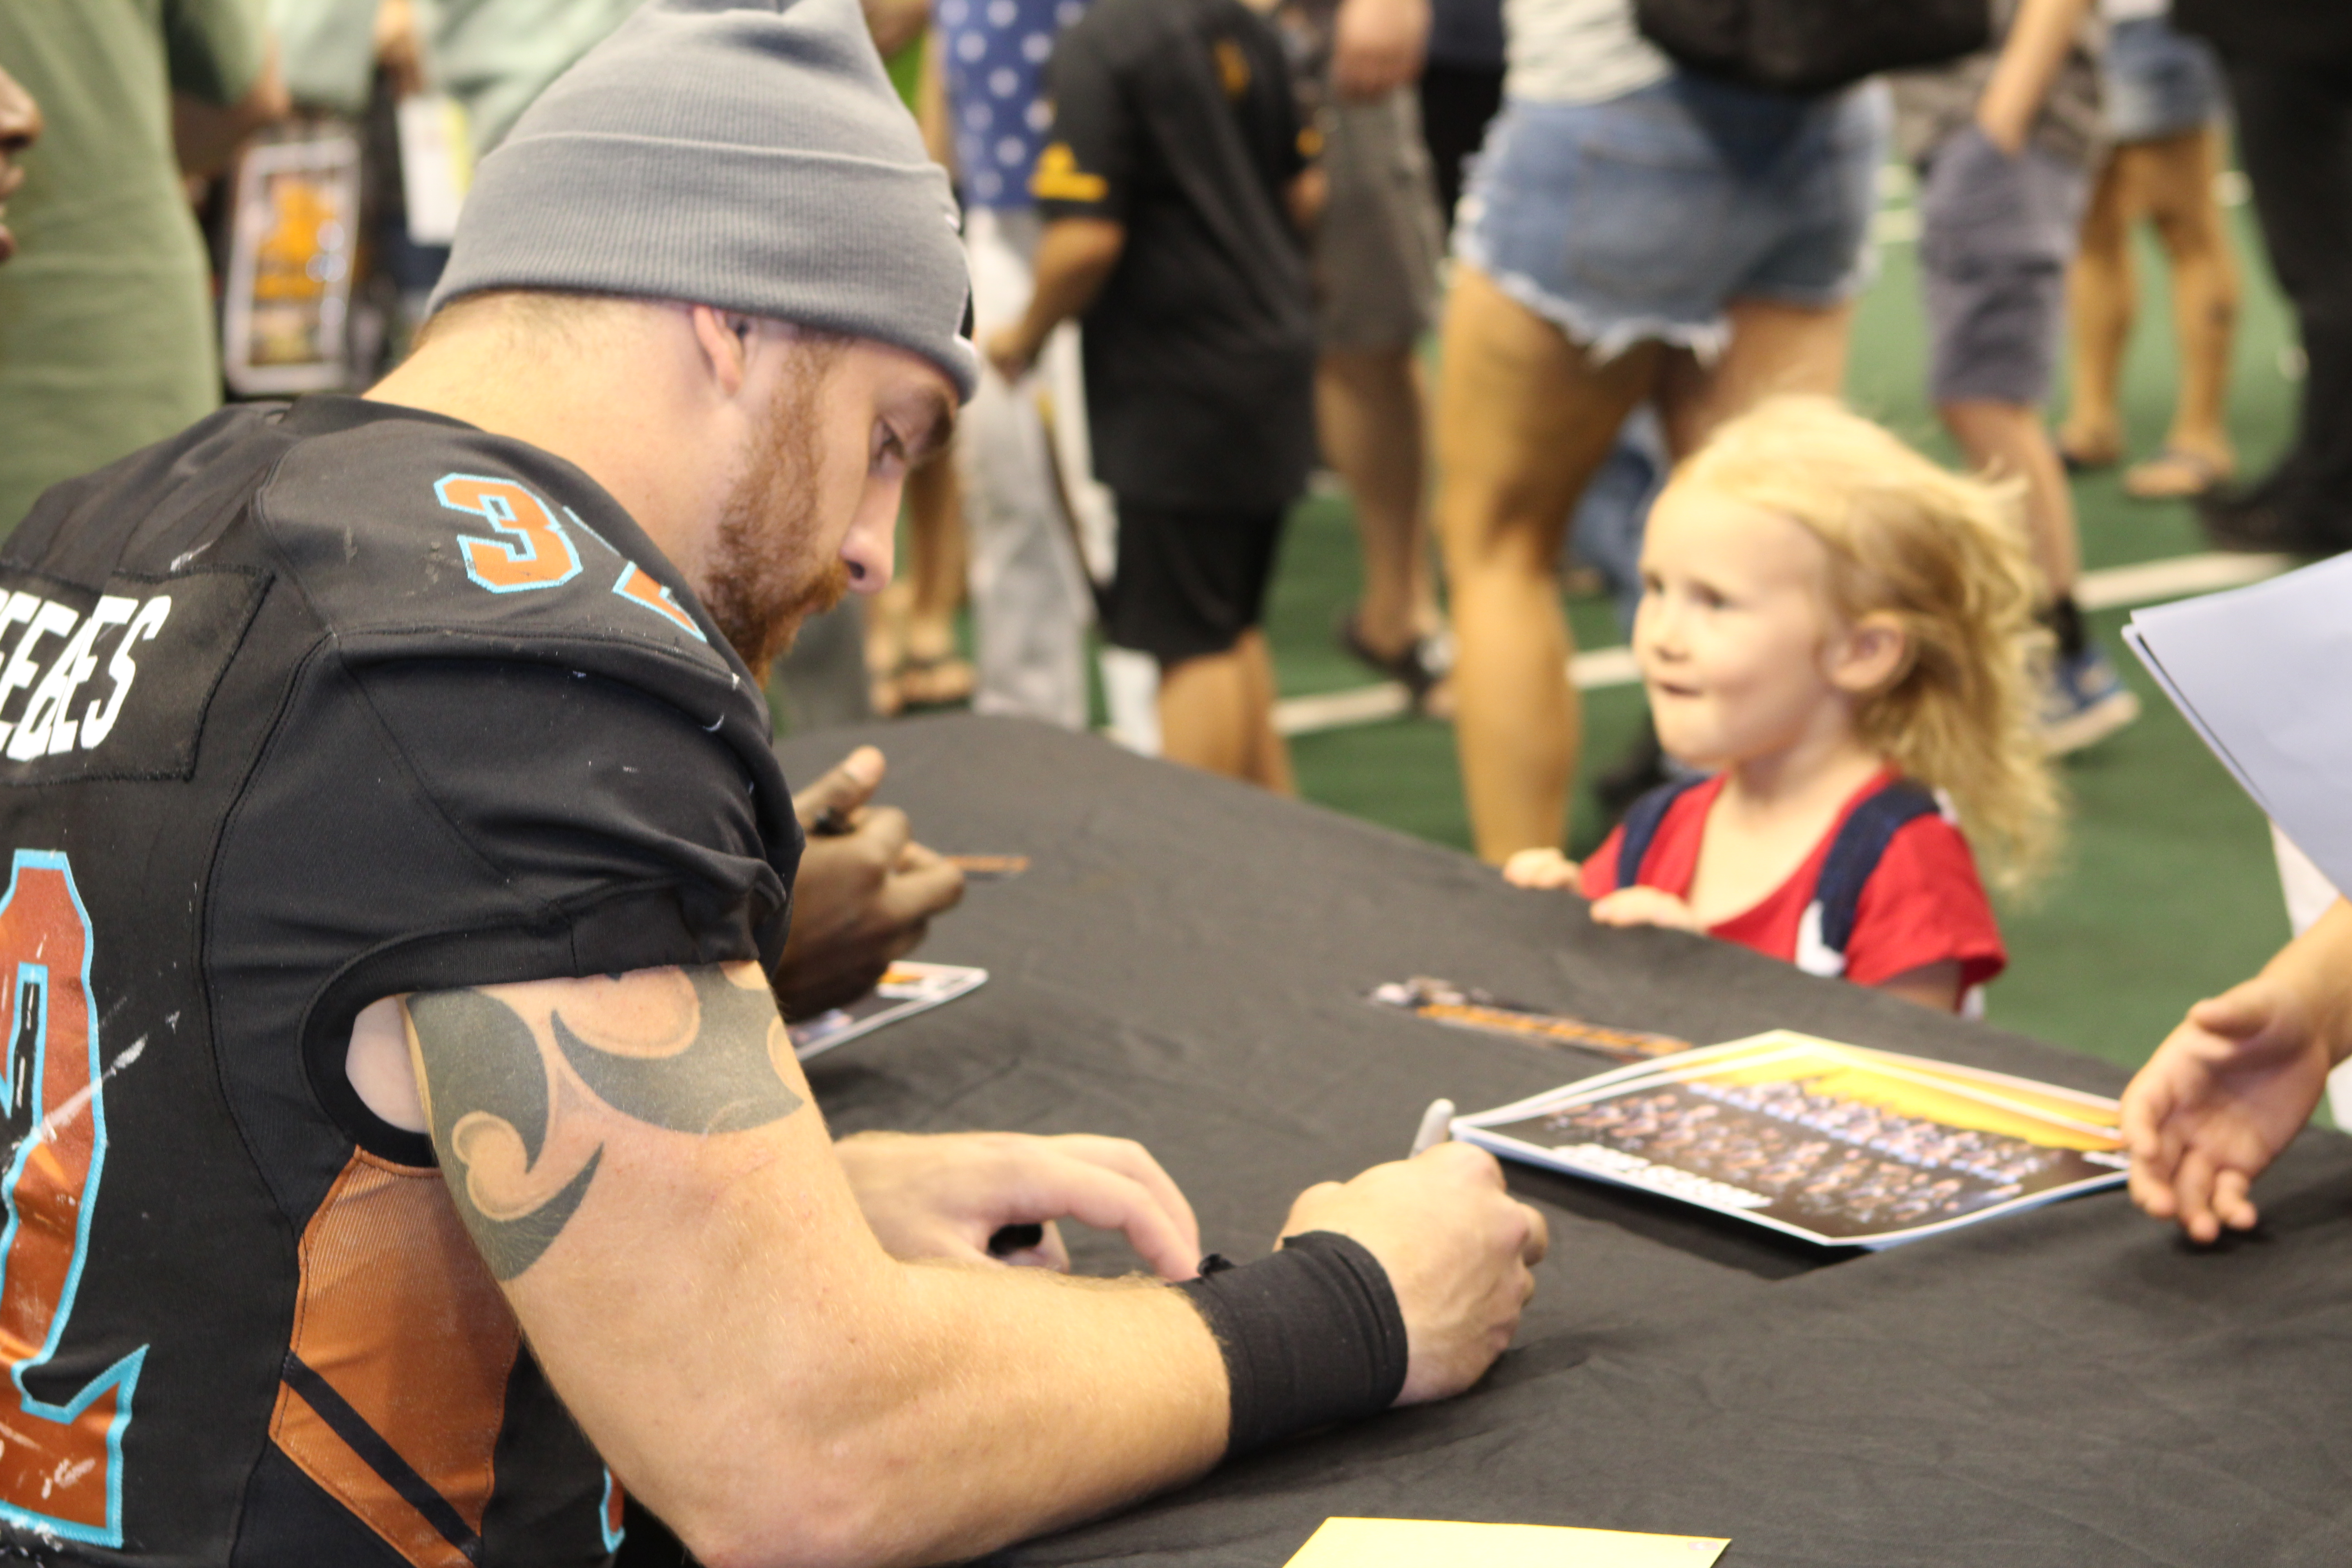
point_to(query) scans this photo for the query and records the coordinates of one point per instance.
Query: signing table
(1185, 963)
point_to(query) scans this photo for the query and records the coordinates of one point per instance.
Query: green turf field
(2168, 890)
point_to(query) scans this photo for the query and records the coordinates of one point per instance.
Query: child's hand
(1641, 906)
(1547, 869)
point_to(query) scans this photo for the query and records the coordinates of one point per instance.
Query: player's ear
(1873, 654)
(725, 339)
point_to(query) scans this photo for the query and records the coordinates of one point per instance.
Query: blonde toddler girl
(1839, 631)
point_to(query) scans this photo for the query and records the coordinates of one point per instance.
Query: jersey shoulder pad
(401, 526)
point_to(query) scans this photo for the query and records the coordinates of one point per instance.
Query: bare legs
(2009, 438)
(2102, 298)
(1524, 418)
(2170, 183)
(1367, 405)
(1217, 713)
(911, 645)
(1775, 350)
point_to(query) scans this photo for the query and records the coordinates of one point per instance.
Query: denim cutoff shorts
(1642, 216)
(2159, 82)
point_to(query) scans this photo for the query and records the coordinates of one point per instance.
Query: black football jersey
(304, 708)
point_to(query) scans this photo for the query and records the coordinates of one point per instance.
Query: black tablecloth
(1185, 963)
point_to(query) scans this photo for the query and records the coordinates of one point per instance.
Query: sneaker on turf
(2083, 700)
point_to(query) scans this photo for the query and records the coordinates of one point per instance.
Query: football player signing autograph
(398, 875)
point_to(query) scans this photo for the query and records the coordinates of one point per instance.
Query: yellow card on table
(1431, 1543)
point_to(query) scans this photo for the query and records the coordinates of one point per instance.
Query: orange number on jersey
(639, 589)
(537, 555)
(61, 1469)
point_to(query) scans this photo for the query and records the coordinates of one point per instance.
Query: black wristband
(1311, 1334)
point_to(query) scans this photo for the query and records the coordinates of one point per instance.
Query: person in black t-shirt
(1174, 189)
(409, 1157)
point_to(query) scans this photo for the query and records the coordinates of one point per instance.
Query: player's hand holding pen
(1459, 1250)
(866, 893)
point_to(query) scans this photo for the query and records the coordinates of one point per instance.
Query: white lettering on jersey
(96, 725)
(51, 619)
(45, 730)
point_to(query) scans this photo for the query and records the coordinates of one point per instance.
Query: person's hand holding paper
(2236, 1080)
(2260, 674)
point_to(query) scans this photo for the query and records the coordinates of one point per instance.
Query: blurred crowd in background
(1542, 250)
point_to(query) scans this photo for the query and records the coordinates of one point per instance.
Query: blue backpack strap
(1642, 819)
(1854, 856)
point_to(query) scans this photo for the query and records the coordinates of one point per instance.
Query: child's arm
(2038, 41)
(1936, 985)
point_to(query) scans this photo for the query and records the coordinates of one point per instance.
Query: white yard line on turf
(2147, 583)
(2176, 578)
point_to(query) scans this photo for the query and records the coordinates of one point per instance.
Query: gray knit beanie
(748, 154)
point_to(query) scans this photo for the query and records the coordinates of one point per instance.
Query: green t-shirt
(496, 57)
(906, 69)
(105, 322)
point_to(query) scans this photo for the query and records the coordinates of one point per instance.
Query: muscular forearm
(1024, 1401)
(637, 1161)
(830, 1405)
(2038, 42)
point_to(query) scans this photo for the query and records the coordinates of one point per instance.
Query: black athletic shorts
(1189, 582)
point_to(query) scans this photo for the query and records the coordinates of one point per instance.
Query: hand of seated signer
(943, 1197)
(2217, 1101)
(862, 898)
(1459, 1251)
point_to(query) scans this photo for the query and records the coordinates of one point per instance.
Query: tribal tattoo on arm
(515, 1096)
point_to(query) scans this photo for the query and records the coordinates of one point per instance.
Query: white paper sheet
(1436, 1543)
(2264, 674)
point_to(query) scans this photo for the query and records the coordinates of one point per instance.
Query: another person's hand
(2006, 130)
(864, 898)
(399, 48)
(1010, 352)
(1377, 46)
(20, 127)
(1546, 869)
(894, 23)
(2217, 1101)
(1459, 1251)
(944, 1197)
(1644, 906)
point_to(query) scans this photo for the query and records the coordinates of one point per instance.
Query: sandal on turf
(935, 680)
(1421, 667)
(2175, 474)
(2089, 457)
